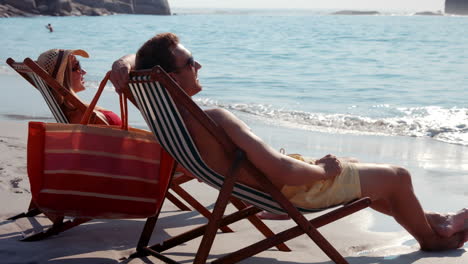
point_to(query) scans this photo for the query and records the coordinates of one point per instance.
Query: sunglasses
(76, 67)
(190, 62)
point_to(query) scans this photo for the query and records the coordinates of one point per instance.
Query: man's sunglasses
(190, 62)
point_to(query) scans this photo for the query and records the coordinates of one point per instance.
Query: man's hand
(120, 70)
(331, 165)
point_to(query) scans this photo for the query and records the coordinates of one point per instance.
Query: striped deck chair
(49, 89)
(160, 99)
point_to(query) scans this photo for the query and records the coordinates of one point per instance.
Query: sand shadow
(436, 257)
(93, 236)
(391, 259)
(406, 258)
(83, 260)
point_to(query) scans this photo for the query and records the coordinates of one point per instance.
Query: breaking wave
(447, 125)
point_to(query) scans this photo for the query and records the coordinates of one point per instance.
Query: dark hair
(157, 51)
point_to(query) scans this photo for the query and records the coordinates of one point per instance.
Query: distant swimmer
(50, 28)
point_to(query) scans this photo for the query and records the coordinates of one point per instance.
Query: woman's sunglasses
(76, 67)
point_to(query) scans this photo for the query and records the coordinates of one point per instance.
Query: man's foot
(448, 224)
(446, 243)
(272, 216)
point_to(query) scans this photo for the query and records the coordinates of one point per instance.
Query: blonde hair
(67, 74)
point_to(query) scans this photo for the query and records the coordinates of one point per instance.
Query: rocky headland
(456, 7)
(429, 13)
(12, 8)
(356, 12)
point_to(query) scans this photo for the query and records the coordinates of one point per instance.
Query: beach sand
(440, 177)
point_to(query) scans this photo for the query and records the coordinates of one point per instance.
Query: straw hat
(55, 61)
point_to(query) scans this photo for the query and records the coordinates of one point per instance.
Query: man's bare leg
(391, 189)
(443, 224)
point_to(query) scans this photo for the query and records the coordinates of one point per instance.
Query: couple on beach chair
(219, 149)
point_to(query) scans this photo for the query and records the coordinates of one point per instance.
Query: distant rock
(355, 12)
(9, 8)
(11, 11)
(457, 7)
(429, 13)
(157, 7)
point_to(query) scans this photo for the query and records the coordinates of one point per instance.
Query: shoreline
(12, 109)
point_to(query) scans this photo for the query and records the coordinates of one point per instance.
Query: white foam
(443, 124)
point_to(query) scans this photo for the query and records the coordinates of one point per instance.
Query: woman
(66, 69)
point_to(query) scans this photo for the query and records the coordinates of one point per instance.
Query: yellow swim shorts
(325, 193)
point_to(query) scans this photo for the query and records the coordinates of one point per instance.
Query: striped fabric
(48, 97)
(101, 172)
(163, 118)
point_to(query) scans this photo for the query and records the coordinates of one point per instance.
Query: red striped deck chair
(160, 99)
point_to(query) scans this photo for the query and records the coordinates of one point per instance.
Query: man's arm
(119, 74)
(280, 168)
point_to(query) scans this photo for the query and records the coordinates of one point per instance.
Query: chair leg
(182, 179)
(198, 206)
(177, 202)
(145, 237)
(218, 211)
(149, 251)
(142, 248)
(199, 231)
(213, 224)
(32, 211)
(294, 232)
(56, 228)
(264, 229)
(175, 186)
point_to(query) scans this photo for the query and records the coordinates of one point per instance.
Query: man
(50, 28)
(322, 183)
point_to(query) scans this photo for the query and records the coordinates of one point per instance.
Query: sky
(416, 5)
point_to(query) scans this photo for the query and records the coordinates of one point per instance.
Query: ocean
(390, 74)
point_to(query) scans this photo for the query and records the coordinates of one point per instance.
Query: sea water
(390, 74)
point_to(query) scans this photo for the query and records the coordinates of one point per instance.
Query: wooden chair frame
(145, 86)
